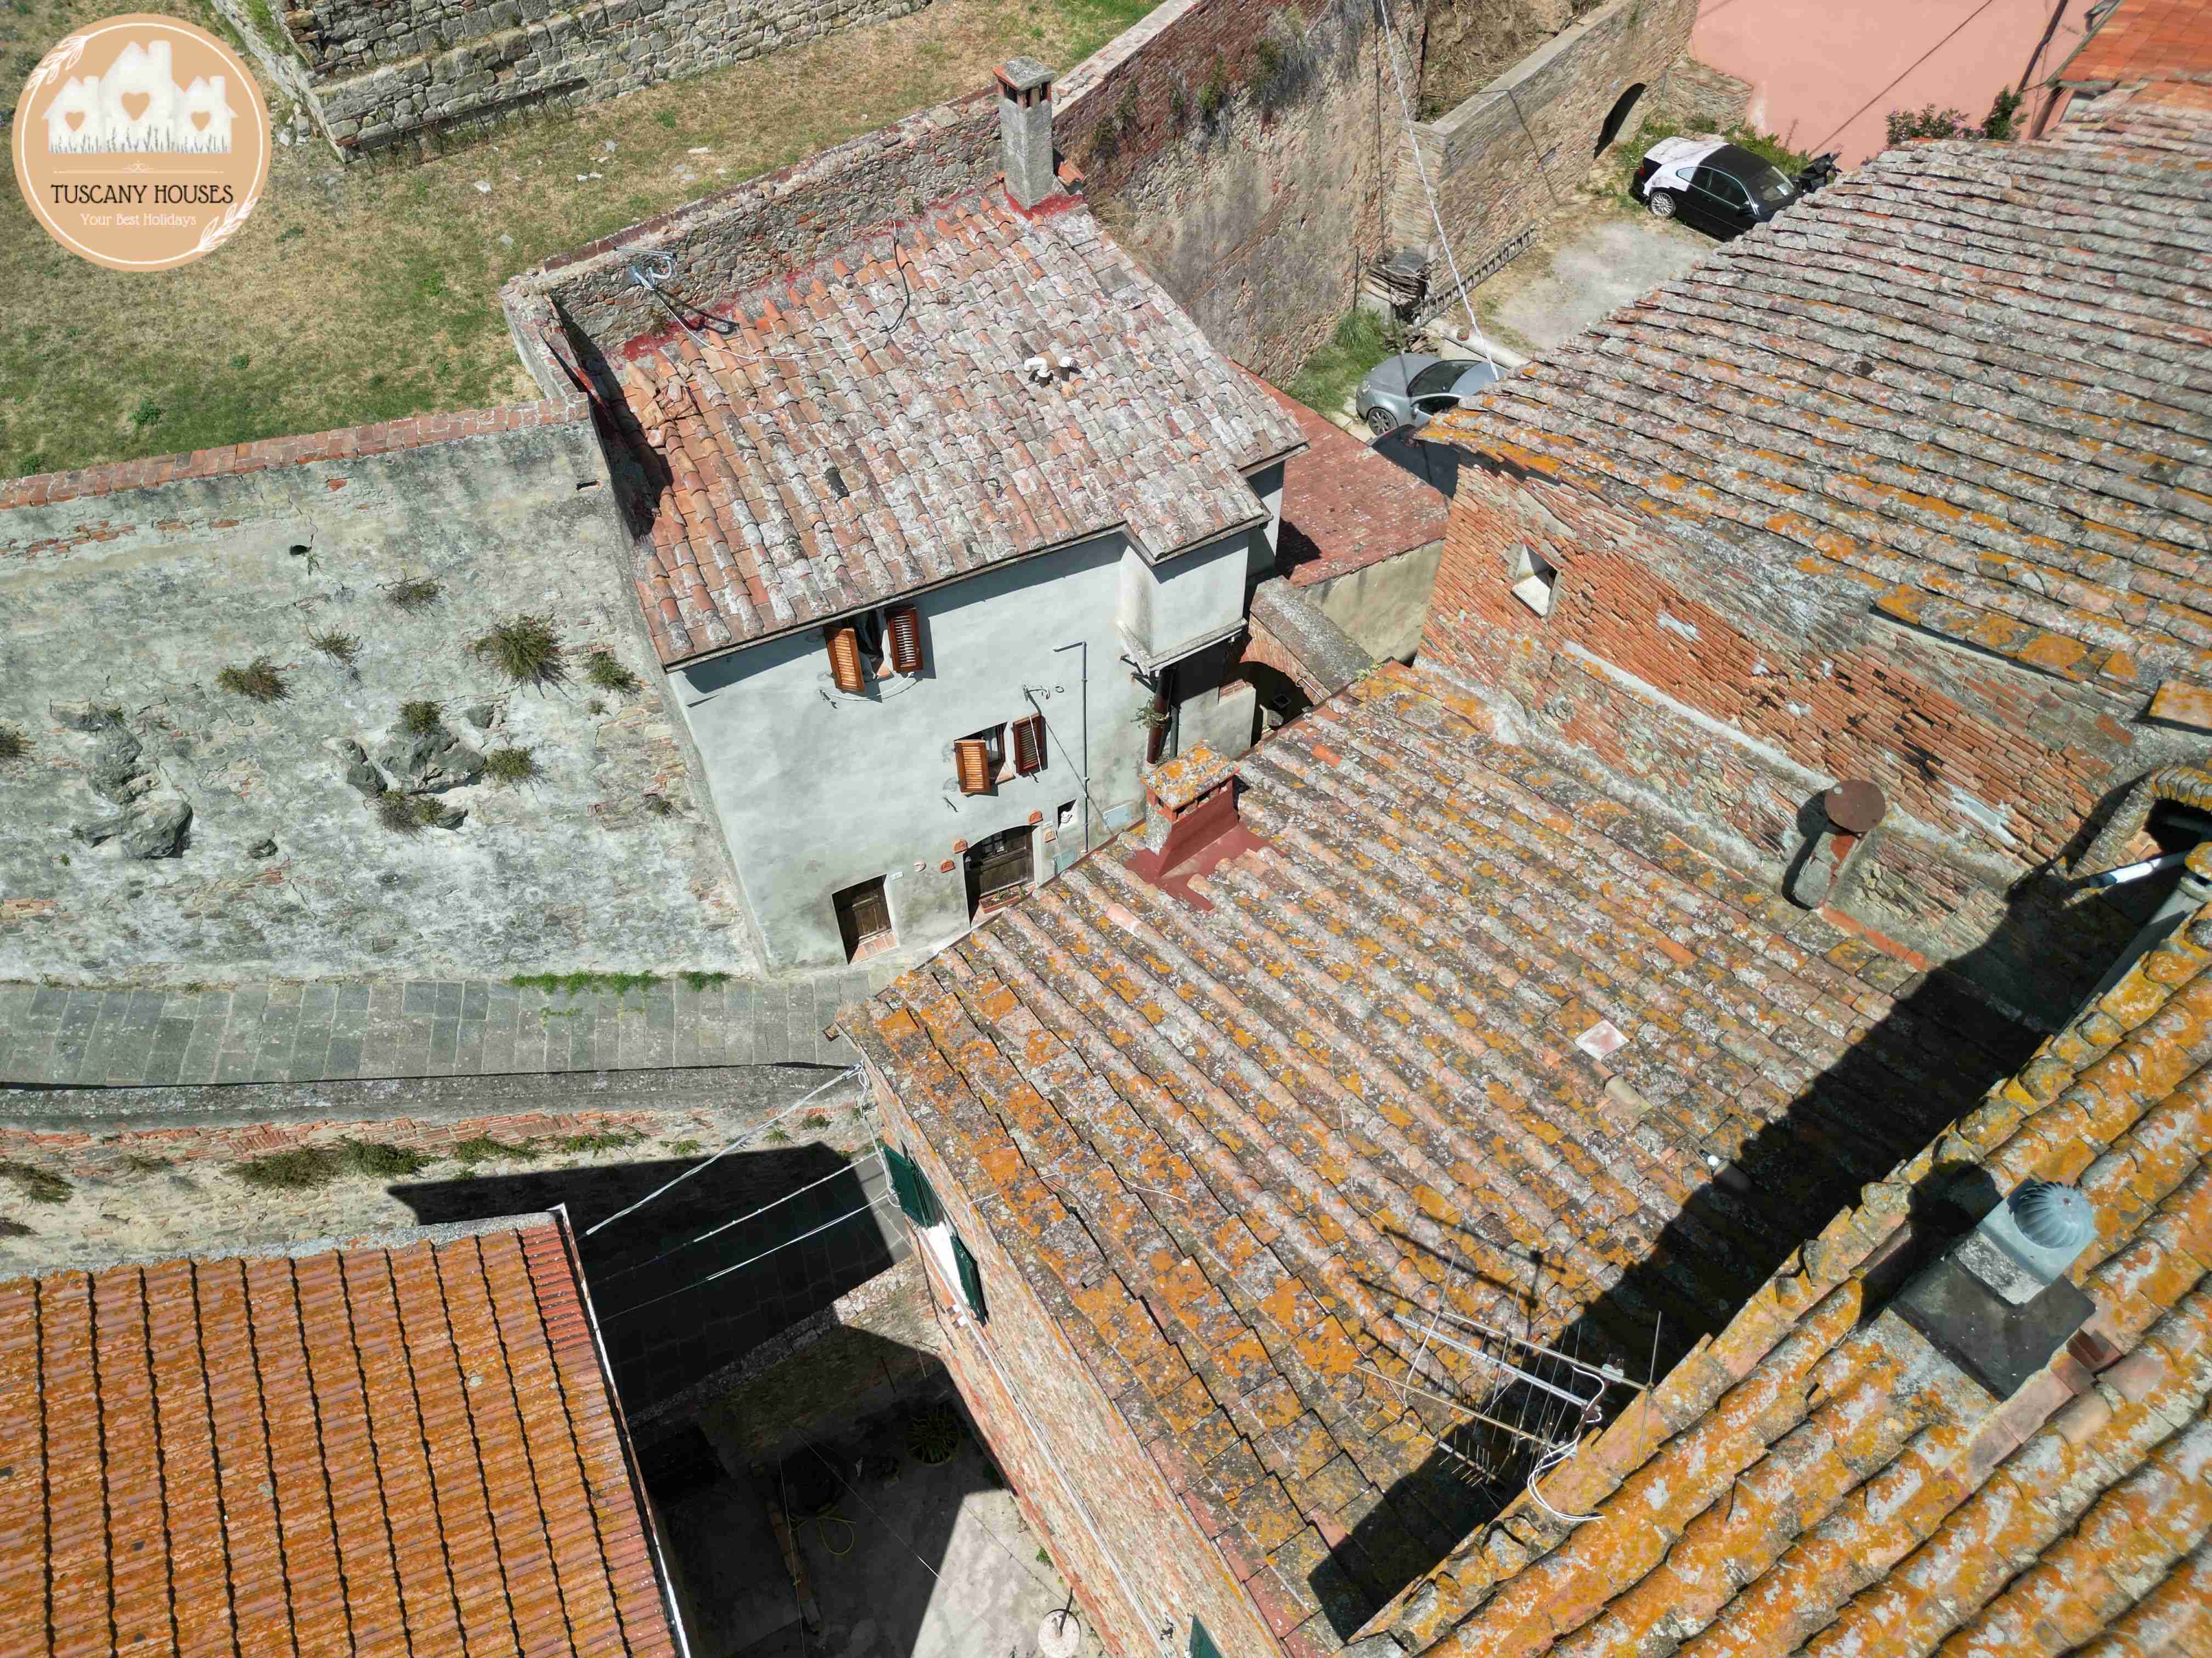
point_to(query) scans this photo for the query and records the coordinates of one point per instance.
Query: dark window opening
(998, 869)
(864, 919)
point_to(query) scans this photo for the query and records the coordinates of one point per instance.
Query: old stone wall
(1506, 159)
(724, 244)
(1152, 1543)
(373, 73)
(209, 659)
(1730, 696)
(1243, 153)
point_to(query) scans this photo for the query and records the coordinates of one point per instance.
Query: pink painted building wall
(1824, 75)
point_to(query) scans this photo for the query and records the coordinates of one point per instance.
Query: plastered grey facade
(122, 608)
(819, 790)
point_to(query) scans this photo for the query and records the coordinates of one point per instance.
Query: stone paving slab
(305, 1032)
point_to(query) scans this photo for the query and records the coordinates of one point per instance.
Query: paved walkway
(411, 1028)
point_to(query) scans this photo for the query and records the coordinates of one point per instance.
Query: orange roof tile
(2145, 41)
(406, 1447)
(1246, 1153)
(1345, 507)
(1817, 1479)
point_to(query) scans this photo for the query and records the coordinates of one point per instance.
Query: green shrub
(139, 1164)
(659, 805)
(1328, 378)
(525, 648)
(340, 647)
(933, 1435)
(414, 592)
(410, 814)
(699, 979)
(607, 1140)
(510, 766)
(484, 1148)
(574, 984)
(14, 745)
(1213, 96)
(602, 669)
(38, 1185)
(380, 1160)
(1998, 125)
(301, 1169)
(258, 681)
(421, 718)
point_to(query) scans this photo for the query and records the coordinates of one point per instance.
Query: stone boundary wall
(1510, 156)
(737, 239)
(1244, 154)
(375, 73)
(163, 829)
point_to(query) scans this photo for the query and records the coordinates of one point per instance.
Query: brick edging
(46, 489)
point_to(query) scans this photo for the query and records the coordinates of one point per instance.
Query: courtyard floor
(369, 292)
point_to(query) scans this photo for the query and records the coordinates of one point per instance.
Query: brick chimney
(1025, 131)
(1192, 826)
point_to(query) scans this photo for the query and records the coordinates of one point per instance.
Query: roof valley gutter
(661, 1575)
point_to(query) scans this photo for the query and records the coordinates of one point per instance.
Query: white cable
(697, 1284)
(1436, 216)
(849, 1071)
(848, 1168)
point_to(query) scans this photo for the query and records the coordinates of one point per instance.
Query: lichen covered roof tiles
(1245, 1152)
(390, 1449)
(1818, 1480)
(867, 429)
(1969, 377)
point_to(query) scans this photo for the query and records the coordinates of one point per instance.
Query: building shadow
(1925, 1064)
(1436, 464)
(748, 1246)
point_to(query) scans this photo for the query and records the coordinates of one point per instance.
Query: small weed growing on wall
(484, 1148)
(410, 814)
(699, 980)
(1283, 61)
(684, 1148)
(660, 805)
(525, 649)
(380, 1160)
(258, 681)
(301, 1169)
(1179, 105)
(14, 745)
(816, 1120)
(607, 1140)
(421, 718)
(13, 1229)
(602, 670)
(1213, 96)
(137, 1163)
(38, 1185)
(414, 592)
(575, 984)
(340, 647)
(512, 767)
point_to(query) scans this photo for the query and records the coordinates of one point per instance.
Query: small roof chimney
(1025, 131)
(1192, 826)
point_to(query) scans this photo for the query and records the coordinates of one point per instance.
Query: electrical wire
(698, 1284)
(711, 1231)
(850, 1071)
(871, 1508)
(1421, 168)
(1907, 70)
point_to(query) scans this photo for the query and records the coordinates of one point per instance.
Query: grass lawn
(367, 293)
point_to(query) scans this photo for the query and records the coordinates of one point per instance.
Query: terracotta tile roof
(1241, 1154)
(393, 1449)
(1346, 507)
(1817, 1480)
(1969, 378)
(812, 463)
(2145, 41)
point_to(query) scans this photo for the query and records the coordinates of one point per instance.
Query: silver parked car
(1407, 390)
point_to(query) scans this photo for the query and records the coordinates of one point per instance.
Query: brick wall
(1504, 160)
(1126, 1487)
(374, 73)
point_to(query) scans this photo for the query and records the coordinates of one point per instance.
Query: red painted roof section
(397, 1449)
(2145, 41)
(1346, 507)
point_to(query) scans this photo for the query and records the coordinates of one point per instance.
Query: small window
(978, 759)
(1533, 580)
(864, 919)
(1065, 818)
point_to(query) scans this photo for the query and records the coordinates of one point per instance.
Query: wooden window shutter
(972, 759)
(903, 627)
(846, 672)
(1029, 744)
(971, 1280)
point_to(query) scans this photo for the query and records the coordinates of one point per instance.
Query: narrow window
(864, 919)
(1533, 580)
(971, 1280)
(847, 671)
(1029, 744)
(978, 758)
(902, 626)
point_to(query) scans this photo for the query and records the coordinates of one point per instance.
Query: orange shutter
(971, 756)
(845, 669)
(1029, 744)
(905, 631)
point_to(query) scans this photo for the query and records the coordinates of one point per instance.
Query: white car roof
(1677, 153)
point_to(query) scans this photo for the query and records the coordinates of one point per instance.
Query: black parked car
(1721, 188)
